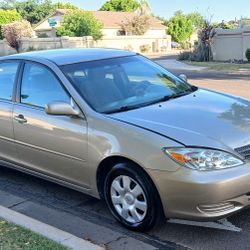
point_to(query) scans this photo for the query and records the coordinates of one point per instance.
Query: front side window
(40, 86)
(120, 84)
(8, 71)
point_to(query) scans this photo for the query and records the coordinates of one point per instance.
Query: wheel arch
(106, 165)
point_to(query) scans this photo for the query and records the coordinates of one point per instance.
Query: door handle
(20, 118)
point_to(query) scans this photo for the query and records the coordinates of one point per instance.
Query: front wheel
(131, 197)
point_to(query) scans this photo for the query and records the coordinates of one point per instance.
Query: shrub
(185, 56)
(8, 16)
(145, 48)
(78, 23)
(138, 25)
(202, 51)
(248, 54)
(13, 32)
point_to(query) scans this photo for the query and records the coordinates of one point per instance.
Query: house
(111, 23)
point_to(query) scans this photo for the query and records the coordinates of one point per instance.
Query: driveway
(89, 218)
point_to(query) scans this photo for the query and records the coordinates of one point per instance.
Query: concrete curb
(66, 239)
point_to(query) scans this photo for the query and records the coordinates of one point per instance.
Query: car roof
(70, 56)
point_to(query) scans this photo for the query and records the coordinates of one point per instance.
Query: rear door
(53, 145)
(8, 77)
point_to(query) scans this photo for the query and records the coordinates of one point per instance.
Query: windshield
(120, 84)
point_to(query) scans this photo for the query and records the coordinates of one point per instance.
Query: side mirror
(183, 77)
(62, 108)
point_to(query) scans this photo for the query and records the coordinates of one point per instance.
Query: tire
(132, 197)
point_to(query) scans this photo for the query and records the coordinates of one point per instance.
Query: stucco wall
(155, 44)
(231, 44)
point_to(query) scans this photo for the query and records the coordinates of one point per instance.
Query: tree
(34, 10)
(121, 5)
(197, 20)
(224, 25)
(180, 28)
(60, 5)
(8, 16)
(140, 23)
(13, 32)
(78, 23)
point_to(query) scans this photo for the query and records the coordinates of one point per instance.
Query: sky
(218, 9)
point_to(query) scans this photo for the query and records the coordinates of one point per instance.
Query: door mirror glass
(183, 77)
(62, 108)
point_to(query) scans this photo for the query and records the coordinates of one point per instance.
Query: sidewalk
(68, 240)
(174, 64)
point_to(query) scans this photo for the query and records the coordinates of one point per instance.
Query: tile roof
(111, 19)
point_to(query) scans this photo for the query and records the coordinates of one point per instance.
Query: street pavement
(236, 83)
(89, 218)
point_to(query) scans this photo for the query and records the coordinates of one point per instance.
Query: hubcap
(128, 199)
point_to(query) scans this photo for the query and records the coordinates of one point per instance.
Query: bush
(13, 32)
(248, 54)
(8, 16)
(202, 51)
(78, 23)
(145, 48)
(138, 25)
(185, 56)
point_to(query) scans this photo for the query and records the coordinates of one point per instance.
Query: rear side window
(8, 71)
(40, 86)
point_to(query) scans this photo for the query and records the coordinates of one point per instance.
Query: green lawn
(13, 237)
(220, 66)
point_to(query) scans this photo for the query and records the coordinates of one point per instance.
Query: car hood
(203, 118)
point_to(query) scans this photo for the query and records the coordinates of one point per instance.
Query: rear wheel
(131, 197)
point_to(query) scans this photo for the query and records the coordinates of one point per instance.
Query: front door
(54, 145)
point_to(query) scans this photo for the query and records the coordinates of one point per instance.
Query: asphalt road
(89, 218)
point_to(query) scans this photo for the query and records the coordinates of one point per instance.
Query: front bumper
(203, 196)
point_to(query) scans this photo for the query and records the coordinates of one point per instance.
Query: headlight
(203, 159)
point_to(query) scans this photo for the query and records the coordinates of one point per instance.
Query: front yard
(18, 238)
(220, 66)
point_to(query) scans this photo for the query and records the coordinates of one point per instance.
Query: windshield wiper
(162, 99)
(122, 109)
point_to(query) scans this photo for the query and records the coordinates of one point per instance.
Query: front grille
(244, 151)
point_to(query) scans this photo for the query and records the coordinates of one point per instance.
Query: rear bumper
(203, 196)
